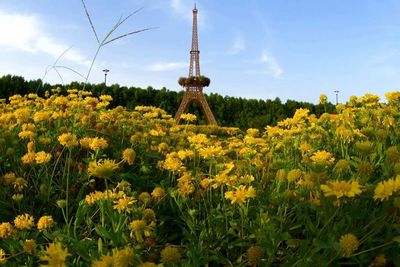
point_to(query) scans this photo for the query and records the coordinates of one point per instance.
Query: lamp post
(105, 76)
(337, 93)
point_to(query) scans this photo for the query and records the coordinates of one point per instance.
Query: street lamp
(337, 93)
(105, 76)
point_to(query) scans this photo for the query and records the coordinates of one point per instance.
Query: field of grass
(83, 185)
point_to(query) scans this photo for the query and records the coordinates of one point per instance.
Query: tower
(195, 83)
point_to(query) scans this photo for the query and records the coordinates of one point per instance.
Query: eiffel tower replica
(195, 82)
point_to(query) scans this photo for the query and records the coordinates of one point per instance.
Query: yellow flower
(26, 135)
(342, 189)
(104, 261)
(172, 162)
(102, 168)
(93, 197)
(106, 98)
(145, 198)
(124, 204)
(29, 246)
(41, 116)
(140, 228)
(44, 140)
(55, 255)
(323, 99)
(19, 184)
(45, 222)
(254, 255)
(68, 140)
(198, 139)
(98, 143)
(211, 151)
(29, 158)
(341, 167)
(188, 117)
(348, 244)
(42, 157)
(294, 175)
(379, 261)
(85, 142)
(170, 255)
(24, 221)
(22, 115)
(385, 189)
(129, 155)
(158, 193)
(149, 215)
(393, 98)
(3, 259)
(6, 230)
(323, 156)
(240, 195)
(149, 264)
(8, 178)
(17, 197)
(123, 257)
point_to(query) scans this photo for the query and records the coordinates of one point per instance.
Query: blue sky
(292, 49)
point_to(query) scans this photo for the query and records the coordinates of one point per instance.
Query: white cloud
(167, 66)
(238, 45)
(273, 66)
(22, 32)
(179, 8)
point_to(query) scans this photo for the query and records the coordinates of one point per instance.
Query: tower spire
(195, 82)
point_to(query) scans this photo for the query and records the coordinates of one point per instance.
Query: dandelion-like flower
(29, 247)
(148, 264)
(93, 197)
(149, 215)
(98, 143)
(145, 198)
(24, 222)
(385, 189)
(55, 255)
(323, 157)
(6, 230)
(68, 140)
(158, 193)
(254, 255)
(124, 204)
(3, 259)
(123, 257)
(240, 195)
(29, 158)
(19, 184)
(348, 244)
(42, 157)
(170, 255)
(341, 189)
(379, 261)
(102, 168)
(188, 117)
(45, 222)
(104, 261)
(129, 155)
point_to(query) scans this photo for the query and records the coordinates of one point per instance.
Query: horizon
(253, 50)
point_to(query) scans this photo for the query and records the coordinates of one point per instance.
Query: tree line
(228, 111)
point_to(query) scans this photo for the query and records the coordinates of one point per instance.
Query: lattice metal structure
(195, 92)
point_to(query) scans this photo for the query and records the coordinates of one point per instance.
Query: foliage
(83, 184)
(228, 111)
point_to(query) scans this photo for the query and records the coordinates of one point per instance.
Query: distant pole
(105, 76)
(337, 93)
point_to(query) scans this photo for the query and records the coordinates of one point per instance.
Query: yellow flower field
(84, 185)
